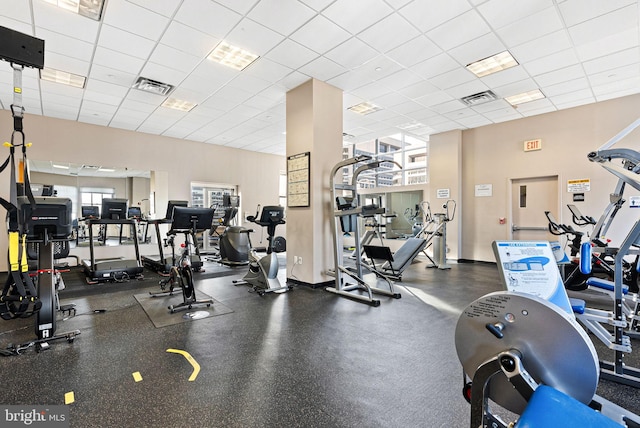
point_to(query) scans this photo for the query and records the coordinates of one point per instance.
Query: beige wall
(183, 161)
(494, 154)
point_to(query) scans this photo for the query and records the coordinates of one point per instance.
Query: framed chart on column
(298, 180)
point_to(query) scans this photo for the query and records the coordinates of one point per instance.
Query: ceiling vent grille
(479, 98)
(152, 86)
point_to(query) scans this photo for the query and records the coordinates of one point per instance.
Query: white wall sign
(442, 193)
(634, 202)
(579, 186)
(484, 190)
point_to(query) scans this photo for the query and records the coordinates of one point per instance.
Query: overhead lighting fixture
(364, 108)
(152, 86)
(525, 97)
(87, 8)
(232, 56)
(492, 64)
(411, 125)
(178, 104)
(57, 76)
(106, 169)
(60, 166)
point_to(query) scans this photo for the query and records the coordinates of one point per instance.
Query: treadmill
(114, 212)
(159, 262)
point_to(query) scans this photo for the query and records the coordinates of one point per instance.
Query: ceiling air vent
(479, 98)
(152, 86)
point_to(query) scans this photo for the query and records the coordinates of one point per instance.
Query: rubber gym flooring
(306, 358)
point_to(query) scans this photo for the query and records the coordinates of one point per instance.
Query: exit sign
(531, 145)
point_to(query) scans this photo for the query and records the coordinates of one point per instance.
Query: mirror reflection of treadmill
(160, 262)
(114, 212)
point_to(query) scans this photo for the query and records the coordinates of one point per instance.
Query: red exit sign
(531, 145)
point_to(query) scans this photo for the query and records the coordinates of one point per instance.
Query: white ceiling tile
(322, 69)
(189, 40)
(352, 53)
(500, 13)
(470, 88)
(134, 19)
(268, 70)
(390, 100)
(95, 106)
(515, 88)
(531, 27)
(60, 111)
(317, 4)
(378, 68)
(370, 91)
(614, 60)
(294, 80)
(558, 76)
(60, 99)
(165, 7)
(357, 15)
(448, 106)
(115, 60)
(618, 88)
(476, 49)
(460, 30)
(282, 16)
(605, 25)
(65, 45)
(414, 51)
(17, 10)
(435, 66)
(378, 36)
(19, 26)
(453, 78)
(127, 43)
(552, 62)
(332, 35)
(577, 11)
(504, 77)
(540, 47)
(614, 43)
(498, 104)
(174, 58)
(254, 37)
(249, 83)
(538, 106)
(503, 116)
(573, 99)
(61, 21)
(66, 63)
(106, 92)
(136, 108)
(400, 80)
(418, 89)
(291, 54)
(614, 75)
(407, 108)
(208, 17)
(162, 74)
(61, 89)
(565, 87)
(434, 98)
(426, 15)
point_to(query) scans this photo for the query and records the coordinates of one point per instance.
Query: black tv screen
(51, 217)
(173, 204)
(134, 212)
(232, 201)
(90, 211)
(114, 209)
(184, 217)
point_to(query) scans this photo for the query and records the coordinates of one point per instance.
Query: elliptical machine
(263, 270)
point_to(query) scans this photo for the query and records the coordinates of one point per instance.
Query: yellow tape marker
(17, 90)
(69, 398)
(194, 363)
(137, 376)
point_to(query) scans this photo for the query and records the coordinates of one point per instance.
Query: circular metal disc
(196, 315)
(555, 349)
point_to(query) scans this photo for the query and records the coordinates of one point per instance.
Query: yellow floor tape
(194, 363)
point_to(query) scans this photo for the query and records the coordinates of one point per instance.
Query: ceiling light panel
(525, 97)
(492, 64)
(63, 77)
(364, 108)
(88, 8)
(232, 56)
(178, 104)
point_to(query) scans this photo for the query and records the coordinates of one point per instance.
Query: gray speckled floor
(306, 358)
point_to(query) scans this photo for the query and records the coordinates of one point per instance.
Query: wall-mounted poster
(298, 180)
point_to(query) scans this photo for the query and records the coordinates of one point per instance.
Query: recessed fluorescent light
(364, 108)
(106, 170)
(60, 166)
(178, 104)
(63, 77)
(411, 125)
(232, 56)
(88, 8)
(525, 97)
(153, 86)
(492, 64)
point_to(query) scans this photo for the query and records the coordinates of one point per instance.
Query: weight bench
(397, 262)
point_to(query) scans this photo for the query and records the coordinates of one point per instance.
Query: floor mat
(157, 310)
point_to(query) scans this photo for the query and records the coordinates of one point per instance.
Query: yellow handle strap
(24, 264)
(14, 251)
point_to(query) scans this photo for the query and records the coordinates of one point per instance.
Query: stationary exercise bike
(263, 270)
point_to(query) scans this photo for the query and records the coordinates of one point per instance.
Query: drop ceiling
(407, 57)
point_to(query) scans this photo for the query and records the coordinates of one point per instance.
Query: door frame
(510, 182)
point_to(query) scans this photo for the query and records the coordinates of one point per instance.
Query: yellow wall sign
(531, 145)
(579, 186)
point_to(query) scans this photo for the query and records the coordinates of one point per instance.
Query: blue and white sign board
(530, 267)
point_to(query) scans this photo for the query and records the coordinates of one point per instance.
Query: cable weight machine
(346, 214)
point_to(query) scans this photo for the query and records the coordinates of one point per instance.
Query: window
(406, 156)
(94, 196)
